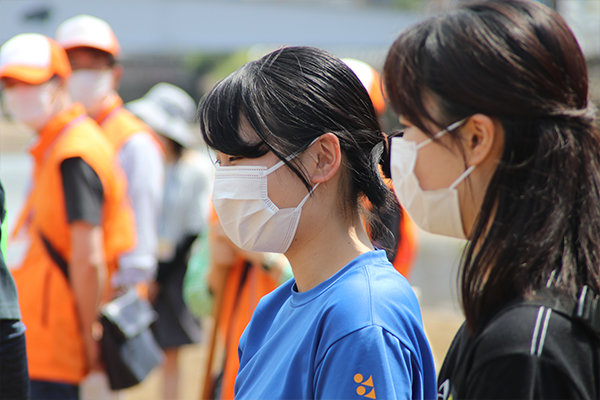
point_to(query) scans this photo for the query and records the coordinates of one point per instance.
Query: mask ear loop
(305, 199)
(441, 133)
(462, 177)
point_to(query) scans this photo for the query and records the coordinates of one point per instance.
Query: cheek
(438, 167)
(286, 190)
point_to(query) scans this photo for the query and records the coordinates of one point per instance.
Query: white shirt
(142, 161)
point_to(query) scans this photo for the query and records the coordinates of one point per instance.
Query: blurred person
(14, 376)
(237, 280)
(169, 110)
(401, 246)
(501, 147)
(93, 50)
(74, 224)
(298, 144)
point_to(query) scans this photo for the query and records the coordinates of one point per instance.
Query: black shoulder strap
(60, 262)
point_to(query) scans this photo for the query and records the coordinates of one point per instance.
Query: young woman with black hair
(501, 147)
(298, 145)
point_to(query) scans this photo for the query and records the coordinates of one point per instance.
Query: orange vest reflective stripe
(55, 348)
(119, 124)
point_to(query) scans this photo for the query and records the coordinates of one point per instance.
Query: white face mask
(436, 211)
(90, 87)
(249, 218)
(32, 105)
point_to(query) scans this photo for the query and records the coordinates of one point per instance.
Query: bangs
(221, 113)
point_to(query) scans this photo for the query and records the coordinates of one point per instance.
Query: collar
(111, 104)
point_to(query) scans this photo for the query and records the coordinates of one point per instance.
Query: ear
(480, 137)
(326, 157)
(117, 74)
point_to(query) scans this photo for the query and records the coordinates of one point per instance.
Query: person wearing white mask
(73, 225)
(298, 145)
(93, 49)
(501, 147)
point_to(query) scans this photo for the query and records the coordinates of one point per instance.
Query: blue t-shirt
(358, 335)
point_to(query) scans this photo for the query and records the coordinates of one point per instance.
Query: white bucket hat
(168, 110)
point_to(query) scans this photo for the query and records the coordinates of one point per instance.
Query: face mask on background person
(90, 87)
(249, 218)
(32, 105)
(436, 211)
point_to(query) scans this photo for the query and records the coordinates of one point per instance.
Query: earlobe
(327, 154)
(481, 134)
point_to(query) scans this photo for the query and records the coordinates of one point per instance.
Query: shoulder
(537, 345)
(535, 331)
(86, 132)
(372, 293)
(375, 290)
(85, 139)
(525, 349)
(142, 140)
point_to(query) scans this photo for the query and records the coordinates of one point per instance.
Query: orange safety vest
(246, 284)
(55, 348)
(407, 245)
(119, 124)
(407, 238)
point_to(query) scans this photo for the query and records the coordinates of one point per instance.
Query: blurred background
(195, 43)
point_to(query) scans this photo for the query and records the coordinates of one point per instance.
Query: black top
(83, 191)
(526, 351)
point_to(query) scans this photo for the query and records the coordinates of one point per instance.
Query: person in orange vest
(401, 247)
(75, 223)
(238, 279)
(93, 49)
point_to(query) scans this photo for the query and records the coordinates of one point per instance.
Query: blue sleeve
(369, 363)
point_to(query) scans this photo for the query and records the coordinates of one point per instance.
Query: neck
(330, 246)
(61, 103)
(102, 105)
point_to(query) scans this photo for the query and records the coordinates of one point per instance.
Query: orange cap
(33, 58)
(87, 31)
(370, 79)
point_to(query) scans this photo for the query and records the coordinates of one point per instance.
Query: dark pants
(14, 376)
(44, 390)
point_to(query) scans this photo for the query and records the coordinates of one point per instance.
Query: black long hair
(291, 97)
(516, 61)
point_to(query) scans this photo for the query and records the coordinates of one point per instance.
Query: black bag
(128, 347)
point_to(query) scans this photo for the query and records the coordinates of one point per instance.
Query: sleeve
(519, 376)
(369, 363)
(83, 191)
(143, 165)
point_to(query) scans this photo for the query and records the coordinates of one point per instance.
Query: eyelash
(229, 159)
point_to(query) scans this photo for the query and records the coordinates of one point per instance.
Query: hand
(153, 291)
(92, 353)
